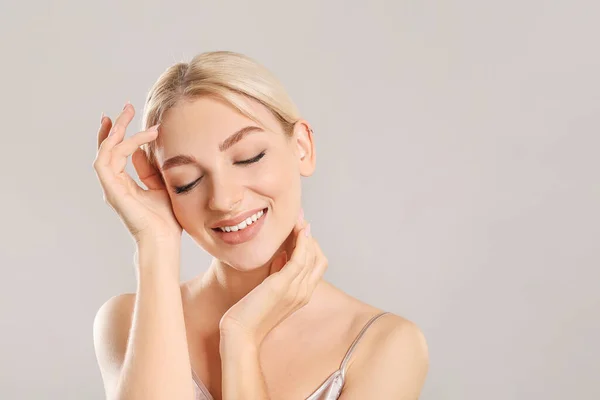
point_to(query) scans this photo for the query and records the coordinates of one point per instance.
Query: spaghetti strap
(358, 337)
(329, 390)
(203, 394)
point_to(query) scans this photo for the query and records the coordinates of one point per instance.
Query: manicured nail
(102, 118)
(126, 104)
(307, 230)
(154, 127)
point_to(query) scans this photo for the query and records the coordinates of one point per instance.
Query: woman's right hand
(147, 214)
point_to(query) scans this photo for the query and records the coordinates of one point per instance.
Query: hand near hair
(145, 213)
(288, 288)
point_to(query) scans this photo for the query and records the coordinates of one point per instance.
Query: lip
(237, 219)
(244, 235)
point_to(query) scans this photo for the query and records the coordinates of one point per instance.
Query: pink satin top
(329, 390)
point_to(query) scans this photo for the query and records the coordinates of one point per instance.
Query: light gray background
(456, 184)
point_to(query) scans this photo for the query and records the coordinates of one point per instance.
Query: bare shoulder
(388, 333)
(393, 330)
(114, 316)
(392, 358)
(394, 334)
(111, 331)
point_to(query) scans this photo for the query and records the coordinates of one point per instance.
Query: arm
(242, 375)
(245, 325)
(140, 340)
(395, 367)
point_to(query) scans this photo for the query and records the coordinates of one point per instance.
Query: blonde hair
(223, 74)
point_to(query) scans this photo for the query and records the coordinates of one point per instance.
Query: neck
(231, 285)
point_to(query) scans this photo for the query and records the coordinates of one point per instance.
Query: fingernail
(307, 231)
(154, 127)
(126, 104)
(102, 118)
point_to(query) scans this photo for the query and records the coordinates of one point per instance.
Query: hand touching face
(221, 168)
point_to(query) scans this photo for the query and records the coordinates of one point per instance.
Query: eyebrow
(184, 159)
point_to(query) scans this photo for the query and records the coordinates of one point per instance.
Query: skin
(261, 322)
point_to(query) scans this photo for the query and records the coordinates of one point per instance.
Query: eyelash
(183, 189)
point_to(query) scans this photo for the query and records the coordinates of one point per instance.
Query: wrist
(237, 347)
(157, 242)
(158, 256)
(157, 239)
(232, 329)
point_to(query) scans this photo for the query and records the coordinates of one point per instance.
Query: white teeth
(244, 224)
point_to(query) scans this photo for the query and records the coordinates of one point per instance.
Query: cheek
(279, 179)
(182, 216)
(281, 185)
(185, 212)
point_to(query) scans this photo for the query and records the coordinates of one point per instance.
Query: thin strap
(201, 386)
(358, 337)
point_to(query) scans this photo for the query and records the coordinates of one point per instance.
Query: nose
(225, 194)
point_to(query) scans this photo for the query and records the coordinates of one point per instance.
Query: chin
(254, 256)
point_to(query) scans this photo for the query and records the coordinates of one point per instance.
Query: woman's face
(223, 170)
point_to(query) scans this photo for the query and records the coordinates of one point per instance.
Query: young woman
(222, 157)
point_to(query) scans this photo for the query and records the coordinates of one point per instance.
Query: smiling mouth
(245, 224)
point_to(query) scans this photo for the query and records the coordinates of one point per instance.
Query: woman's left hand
(283, 292)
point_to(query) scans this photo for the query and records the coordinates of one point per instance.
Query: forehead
(208, 120)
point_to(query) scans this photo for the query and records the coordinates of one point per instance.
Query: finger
(115, 135)
(321, 264)
(297, 261)
(122, 121)
(298, 226)
(300, 222)
(124, 149)
(309, 261)
(103, 156)
(129, 145)
(279, 262)
(145, 171)
(105, 125)
(301, 285)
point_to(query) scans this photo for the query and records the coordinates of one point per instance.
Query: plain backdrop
(457, 179)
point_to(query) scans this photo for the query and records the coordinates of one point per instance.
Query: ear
(304, 147)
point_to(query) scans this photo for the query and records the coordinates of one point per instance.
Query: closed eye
(183, 189)
(188, 187)
(253, 159)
